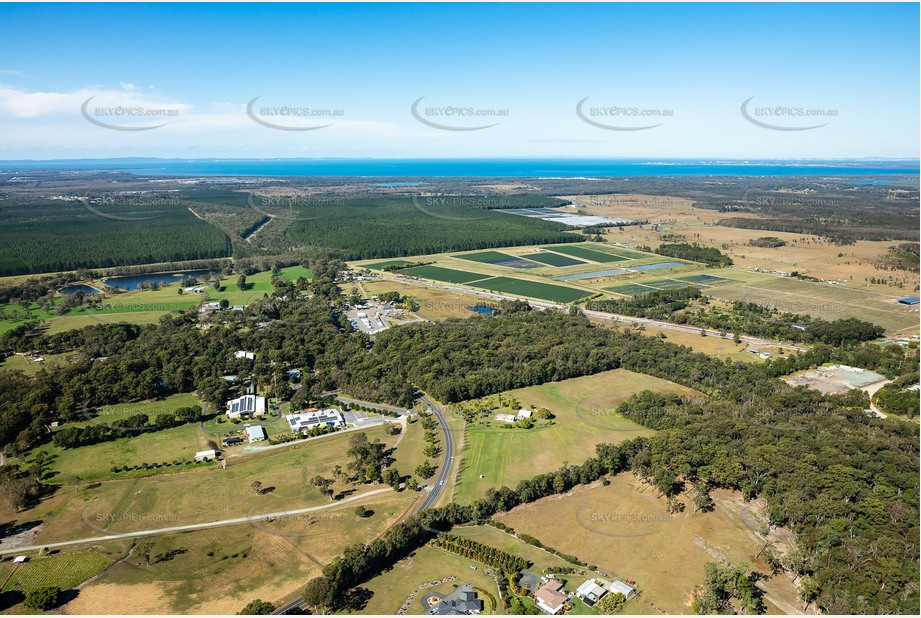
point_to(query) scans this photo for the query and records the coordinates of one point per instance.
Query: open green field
(532, 289)
(427, 564)
(146, 306)
(587, 254)
(385, 264)
(584, 410)
(829, 302)
(202, 494)
(552, 259)
(30, 367)
(443, 274)
(485, 257)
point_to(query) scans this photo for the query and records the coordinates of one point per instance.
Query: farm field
(532, 289)
(586, 254)
(427, 564)
(584, 411)
(65, 570)
(206, 493)
(853, 264)
(442, 274)
(625, 530)
(223, 569)
(552, 259)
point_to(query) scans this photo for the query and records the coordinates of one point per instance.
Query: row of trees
(479, 552)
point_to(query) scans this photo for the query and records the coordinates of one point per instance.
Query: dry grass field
(625, 530)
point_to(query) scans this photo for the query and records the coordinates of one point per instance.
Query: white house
(303, 421)
(247, 405)
(591, 592)
(256, 433)
(244, 354)
(623, 588)
(523, 413)
(209, 454)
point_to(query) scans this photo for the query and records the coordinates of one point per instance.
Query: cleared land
(223, 569)
(434, 304)
(585, 416)
(625, 530)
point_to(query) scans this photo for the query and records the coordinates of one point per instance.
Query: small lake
(79, 287)
(482, 309)
(133, 282)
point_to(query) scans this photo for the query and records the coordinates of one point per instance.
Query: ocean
(518, 168)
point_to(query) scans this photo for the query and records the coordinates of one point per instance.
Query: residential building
(591, 592)
(550, 597)
(462, 602)
(623, 588)
(244, 354)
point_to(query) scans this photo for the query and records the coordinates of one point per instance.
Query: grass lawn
(531, 289)
(584, 411)
(427, 564)
(29, 367)
(447, 275)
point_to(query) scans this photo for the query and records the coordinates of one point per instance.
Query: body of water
(539, 168)
(133, 282)
(79, 287)
(482, 309)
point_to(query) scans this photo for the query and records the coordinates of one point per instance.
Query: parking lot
(369, 318)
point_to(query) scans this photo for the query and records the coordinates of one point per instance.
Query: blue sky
(684, 67)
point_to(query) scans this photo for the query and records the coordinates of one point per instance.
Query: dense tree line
(482, 553)
(695, 253)
(689, 306)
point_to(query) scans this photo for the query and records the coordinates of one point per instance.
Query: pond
(133, 282)
(79, 287)
(482, 309)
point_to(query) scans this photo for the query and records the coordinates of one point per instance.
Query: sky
(495, 80)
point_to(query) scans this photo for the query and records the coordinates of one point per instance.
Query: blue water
(542, 168)
(133, 282)
(657, 266)
(79, 287)
(482, 309)
(597, 273)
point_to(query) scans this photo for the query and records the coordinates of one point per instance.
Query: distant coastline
(492, 168)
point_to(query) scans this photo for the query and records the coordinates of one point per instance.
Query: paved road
(189, 527)
(596, 314)
(443, 473)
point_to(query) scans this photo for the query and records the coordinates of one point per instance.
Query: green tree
(44, 598)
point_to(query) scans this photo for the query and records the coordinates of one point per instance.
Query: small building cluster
(304, 421)
(522, 414)
(462, 602)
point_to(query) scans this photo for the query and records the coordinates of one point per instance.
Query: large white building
(247, 405)
(303, 421)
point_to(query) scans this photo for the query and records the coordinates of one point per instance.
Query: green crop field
(585, 416)
(485, 257)
(62, 570)
(584, 253)
(552, 259)
(447, 275)
(382, 265)
(531, 289)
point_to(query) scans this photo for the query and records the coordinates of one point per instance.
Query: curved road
(433, 495)
(445, 470)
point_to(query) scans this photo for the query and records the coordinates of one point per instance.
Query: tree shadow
(10, 598)
(356, 599)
